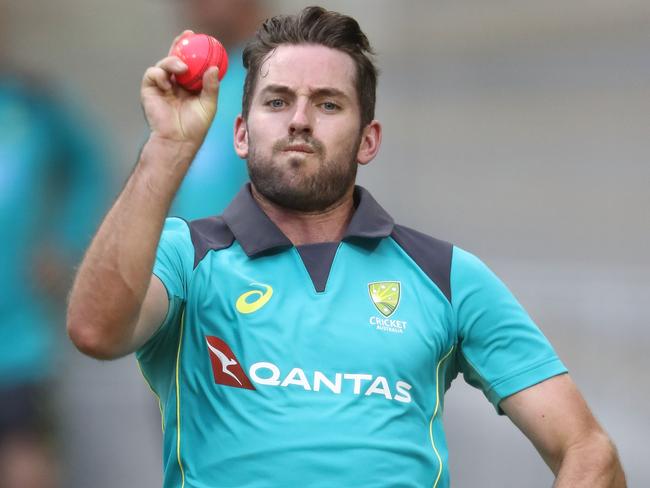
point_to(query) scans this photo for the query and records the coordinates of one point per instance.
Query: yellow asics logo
(261, 298)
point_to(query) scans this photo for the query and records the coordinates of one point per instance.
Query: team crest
(385, 296)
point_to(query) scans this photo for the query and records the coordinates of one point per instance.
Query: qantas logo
(260, 299)
(225, 367)
(228, 371)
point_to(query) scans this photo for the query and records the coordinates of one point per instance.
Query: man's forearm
(113, 278)
(592, 463)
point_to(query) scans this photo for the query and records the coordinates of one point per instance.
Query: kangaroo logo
(225, 367)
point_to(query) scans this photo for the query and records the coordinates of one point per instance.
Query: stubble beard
(314, 193)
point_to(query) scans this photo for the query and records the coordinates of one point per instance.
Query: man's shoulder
(209, 234)
(196, 237)
(402, 233)
(432, 255)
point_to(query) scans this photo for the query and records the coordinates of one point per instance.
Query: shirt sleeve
(173, 265)
(501, 350)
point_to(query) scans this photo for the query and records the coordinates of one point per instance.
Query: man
(303, 338)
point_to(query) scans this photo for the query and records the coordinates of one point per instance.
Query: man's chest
(377, 330)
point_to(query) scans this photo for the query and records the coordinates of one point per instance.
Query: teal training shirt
(324, 365)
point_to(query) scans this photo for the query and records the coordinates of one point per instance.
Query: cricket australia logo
(385, 296)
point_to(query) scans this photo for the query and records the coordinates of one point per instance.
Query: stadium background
(515, 129)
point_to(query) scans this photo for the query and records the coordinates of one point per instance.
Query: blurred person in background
(53, 188)
(216, 164)
(288, 277)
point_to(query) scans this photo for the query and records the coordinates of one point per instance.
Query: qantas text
(265, 373)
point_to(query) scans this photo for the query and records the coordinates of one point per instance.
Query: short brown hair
(315, 25)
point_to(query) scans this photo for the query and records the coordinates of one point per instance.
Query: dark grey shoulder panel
(208, 234)
(432, 255)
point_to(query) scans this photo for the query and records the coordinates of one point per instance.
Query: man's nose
(301, 121)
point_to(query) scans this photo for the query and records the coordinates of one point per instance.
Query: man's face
(303, 130)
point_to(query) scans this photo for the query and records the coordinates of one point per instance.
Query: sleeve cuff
(524, 379)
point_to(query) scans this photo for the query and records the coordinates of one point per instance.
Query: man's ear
(370, 142)
(240, 139)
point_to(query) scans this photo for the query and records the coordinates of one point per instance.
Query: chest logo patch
(385, 296)
(253, 300)
(229, 371)
(225, 366)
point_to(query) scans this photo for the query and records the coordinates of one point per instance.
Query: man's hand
(173, 113)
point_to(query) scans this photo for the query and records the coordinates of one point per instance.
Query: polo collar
(256, 233)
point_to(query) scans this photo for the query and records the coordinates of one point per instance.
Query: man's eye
(330, 106)
(276, 103)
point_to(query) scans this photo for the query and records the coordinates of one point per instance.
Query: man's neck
(301, 228)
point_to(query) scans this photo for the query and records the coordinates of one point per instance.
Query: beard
(286, 184)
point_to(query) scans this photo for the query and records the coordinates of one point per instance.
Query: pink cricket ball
(199, 52)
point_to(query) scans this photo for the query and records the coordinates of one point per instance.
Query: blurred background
(517, 130)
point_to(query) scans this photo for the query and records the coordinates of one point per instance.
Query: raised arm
(556, 419)
(116, 303)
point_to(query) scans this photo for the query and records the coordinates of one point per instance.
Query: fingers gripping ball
(199, 52)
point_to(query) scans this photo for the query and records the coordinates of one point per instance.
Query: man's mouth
(303, 148)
